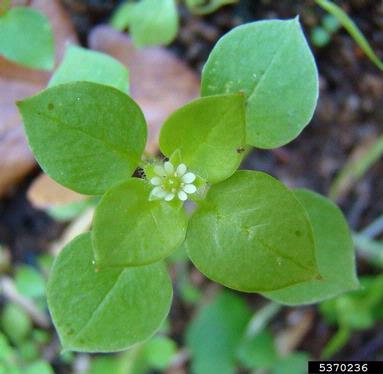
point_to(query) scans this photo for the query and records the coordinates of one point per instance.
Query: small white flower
(170, 182)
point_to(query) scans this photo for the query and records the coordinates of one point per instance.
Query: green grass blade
(352, 28)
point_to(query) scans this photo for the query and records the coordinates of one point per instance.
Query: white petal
(188, 178)
(181, 170)
(159, 170)
(159, 192)
(189, 188)
(169, 168)
(156, 181)
(182, 196)
(169, 196)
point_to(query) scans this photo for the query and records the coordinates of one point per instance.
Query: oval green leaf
(26, 38)
(271, 63)
(86, 136)
(335, 254)
(108, 310)
(152, 22)
(210, 134)
(80, 64)
(251, 234)
(130, 230)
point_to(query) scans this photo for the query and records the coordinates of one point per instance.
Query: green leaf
(258, 352)
(359, 310)
(153, 22)
(121, 17)
(39, 367)
(30, 282)
(271, 63)
(80, 64)
(68, 212)
(16, 323)
(130, 230)
(159, 352)
(86, 136)
(7, 354)
(352, 28)
(210, 134)
(107, 310)
(214, 335)
(294, 363)
(26, 38)
(335, 254)
(251, 234)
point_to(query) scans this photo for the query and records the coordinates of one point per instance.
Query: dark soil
(350, 109)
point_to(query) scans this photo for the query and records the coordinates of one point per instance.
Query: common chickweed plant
(109, 289)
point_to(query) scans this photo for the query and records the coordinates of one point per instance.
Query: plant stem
(336, 343)
(261, 318)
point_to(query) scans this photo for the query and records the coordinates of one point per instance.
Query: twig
(9, 290)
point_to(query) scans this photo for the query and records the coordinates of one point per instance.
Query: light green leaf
(294, 363)
(130, 230)
(206, 7)
(70, 211)
(153, 22)
(258, 352)
(271, 63)
(121, 17)
(352, 28)
(210, 134)
(30, 282)
(214, 335)
(39, 367)
(7, 354)
(106, 310)
(26, 38)
(80, 64)
(251, 234)
(16, 323)
(335, 254)
(86, 136)
(159, 352)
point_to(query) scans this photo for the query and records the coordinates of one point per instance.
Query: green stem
(336, 343)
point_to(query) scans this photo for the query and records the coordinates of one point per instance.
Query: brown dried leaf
(45, 193)
(159, 81)
(16, 83)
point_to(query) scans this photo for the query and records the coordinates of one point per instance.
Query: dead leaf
(16, 83)
(159, 81)
(45, 193)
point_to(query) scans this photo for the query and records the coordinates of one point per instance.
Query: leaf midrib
(111, 147)
(99, 306)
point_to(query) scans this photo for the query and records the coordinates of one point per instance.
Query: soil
(350, 110)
